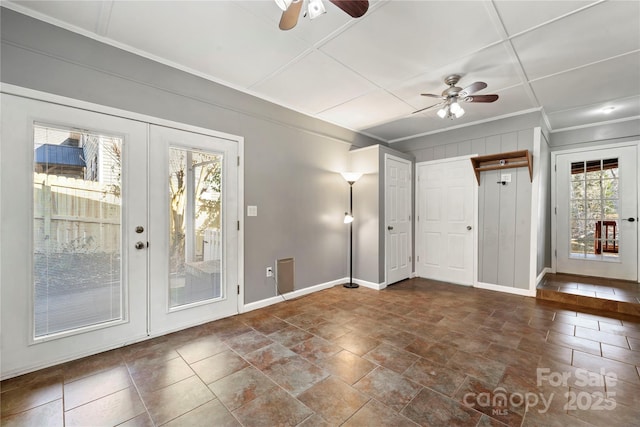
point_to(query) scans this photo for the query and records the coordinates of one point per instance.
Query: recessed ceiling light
(608, 110)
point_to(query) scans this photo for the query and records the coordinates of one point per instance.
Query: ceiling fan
(452, 95)
(291, 10)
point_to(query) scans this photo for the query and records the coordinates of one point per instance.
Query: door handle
(630, 219)
(469, 227)
(139, 245)
(389, 228)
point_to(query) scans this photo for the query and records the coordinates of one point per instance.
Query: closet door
(74, 232)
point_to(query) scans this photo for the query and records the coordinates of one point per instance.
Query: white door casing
(622, 264)
(446, 219)
(397, 218)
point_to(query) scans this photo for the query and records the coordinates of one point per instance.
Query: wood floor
(417, 353)
(618, 296)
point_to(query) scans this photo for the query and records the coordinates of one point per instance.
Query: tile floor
(418, 353)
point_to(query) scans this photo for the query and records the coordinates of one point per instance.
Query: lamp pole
(351, 284)
(351, 178)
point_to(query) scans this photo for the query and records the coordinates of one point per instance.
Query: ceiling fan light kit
(291, 10)
(315, 8)
(283, 4)
(451, 96)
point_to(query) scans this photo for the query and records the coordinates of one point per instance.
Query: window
(77, 236)
(594, 202)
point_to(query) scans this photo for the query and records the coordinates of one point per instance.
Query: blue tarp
(59, 155)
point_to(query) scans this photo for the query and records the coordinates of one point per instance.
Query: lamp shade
(351, 177)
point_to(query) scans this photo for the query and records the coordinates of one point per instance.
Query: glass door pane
(193, 255)
(195, 231)
(77, 229)
(594, 201)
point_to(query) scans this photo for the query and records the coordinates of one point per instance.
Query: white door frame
(19, 91)
(475, 209)
(554, 204)
(411, 222)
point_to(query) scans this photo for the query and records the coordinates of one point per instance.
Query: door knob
(389, 227)
(630, 219)
(468, 227)
(139, 245)
(139, 229)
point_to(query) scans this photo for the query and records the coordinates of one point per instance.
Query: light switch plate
(252, 211)
(505, 177)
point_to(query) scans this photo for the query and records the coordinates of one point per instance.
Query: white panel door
(73, 193)
(446, 193)
(397, 218)
(193, 187)
(597, 213)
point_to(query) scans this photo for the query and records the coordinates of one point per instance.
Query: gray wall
(543, 231)
(596, 135)
(291, 160)
(366, 204)
(504, 211)
(369, 211)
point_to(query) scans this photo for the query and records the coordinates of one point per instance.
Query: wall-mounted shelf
(512, 159)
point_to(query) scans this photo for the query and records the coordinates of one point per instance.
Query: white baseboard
(311, 289)
(506, 289)
(370, 285)
(290, 295)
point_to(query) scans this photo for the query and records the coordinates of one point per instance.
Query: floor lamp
(351, 178)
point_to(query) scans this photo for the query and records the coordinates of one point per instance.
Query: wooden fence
(74, 215)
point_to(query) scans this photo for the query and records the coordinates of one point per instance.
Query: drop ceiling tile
(82, 14)
(601, 82)
(401, 39)
(624, 108)
(493, 66)
(313, 84)
(217, 38)
(599, 32)
(406, 127)
(367, 110)
(518, 16)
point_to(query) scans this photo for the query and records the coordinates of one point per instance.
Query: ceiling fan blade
(353, 8)
(428, 108)
(472, 88)
(289, 17)
(431, 95)
(481, 98)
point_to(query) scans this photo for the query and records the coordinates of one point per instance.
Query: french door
(195, 241)
(112, 230)
(597, 213)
